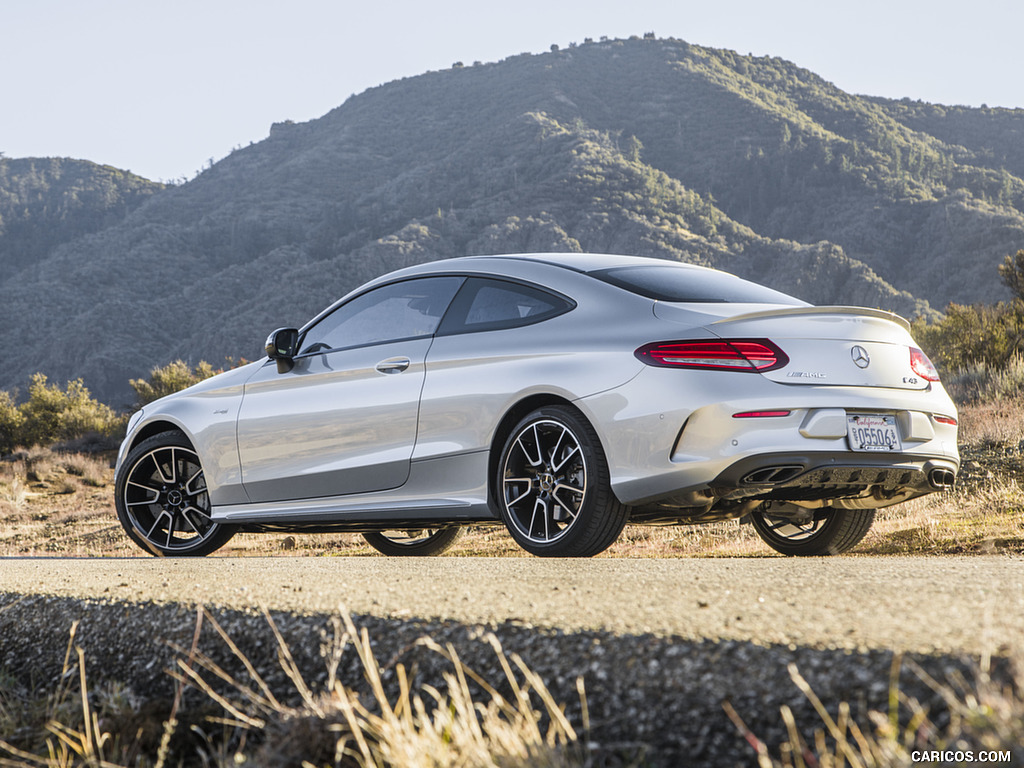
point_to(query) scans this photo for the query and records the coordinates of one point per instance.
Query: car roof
(587, 262)
(573, 262)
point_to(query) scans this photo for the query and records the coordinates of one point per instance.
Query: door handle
(394, 365)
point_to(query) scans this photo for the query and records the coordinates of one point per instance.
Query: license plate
(871, 432)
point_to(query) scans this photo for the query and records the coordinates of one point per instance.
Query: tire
(553, 488)
(423, 543)
(162, 500)
(829, 532)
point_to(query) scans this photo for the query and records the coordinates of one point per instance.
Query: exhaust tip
(941, 479)
(772, 475)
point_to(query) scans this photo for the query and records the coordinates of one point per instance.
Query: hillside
(650, 147)
(47, 202)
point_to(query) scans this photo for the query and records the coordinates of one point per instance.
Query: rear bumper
(674, 440)
(800, 477)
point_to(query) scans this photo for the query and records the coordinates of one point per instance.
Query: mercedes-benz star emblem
(860, 356)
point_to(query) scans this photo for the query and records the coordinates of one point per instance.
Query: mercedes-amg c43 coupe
(563, 395)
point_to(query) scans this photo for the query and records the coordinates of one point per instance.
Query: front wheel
(553, 487)
(162, 499)
(829, 531)
(423, 543)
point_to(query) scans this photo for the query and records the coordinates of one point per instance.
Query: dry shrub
(40, 463)
(985, 715)
(992, 423)
(65, 485)
(92, 471)
(471, 724)
(415, 729)
(12, 487)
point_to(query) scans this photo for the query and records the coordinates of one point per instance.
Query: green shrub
(11, 422)
(52, 415)
(988, 334)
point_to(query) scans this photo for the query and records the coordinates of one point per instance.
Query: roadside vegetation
(240, 710)
(276, 718)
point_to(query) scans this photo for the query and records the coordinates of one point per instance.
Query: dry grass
(1000, 422)
(465, 722)
(985, 723)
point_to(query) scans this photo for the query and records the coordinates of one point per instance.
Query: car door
(344, 419)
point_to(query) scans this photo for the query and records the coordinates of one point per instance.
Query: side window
(403, 310)
(485, 305)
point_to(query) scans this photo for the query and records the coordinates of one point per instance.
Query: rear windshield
(671, 283)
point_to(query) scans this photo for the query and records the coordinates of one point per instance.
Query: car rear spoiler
(834, 310)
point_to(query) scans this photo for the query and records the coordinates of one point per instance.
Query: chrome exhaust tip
(941, 479)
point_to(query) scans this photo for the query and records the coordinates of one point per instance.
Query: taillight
(949, 420)
(752, 355)
(922, 366)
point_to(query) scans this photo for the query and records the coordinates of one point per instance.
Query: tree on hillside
(1011, 272)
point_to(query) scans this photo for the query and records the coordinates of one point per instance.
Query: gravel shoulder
(920, 604)
(659, 644)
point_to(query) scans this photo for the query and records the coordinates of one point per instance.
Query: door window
(408, 309)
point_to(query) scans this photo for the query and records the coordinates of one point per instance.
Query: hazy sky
(162, 87)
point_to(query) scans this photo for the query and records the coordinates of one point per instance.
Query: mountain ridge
(652, 147)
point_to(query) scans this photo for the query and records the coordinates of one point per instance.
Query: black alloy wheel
(553, 486)
(429, 541)
(828, 531)
(162, 499)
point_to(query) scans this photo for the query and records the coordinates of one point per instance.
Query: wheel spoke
(567, 507)
(554, 451)
(538, 503)
(792, 530)
(557, 467)
(526, 451)
(160, 468)
(188, 483)
(529, 488)
(156, 524)
(144, 487)
(191, 523)
(198, 510)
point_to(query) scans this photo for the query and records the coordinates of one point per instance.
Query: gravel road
(922, 604)
(660, 644)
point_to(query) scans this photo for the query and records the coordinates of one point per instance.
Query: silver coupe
(564, 395)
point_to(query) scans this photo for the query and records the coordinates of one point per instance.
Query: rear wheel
(431, 541)
(553, 486)
(828, 532)
(162, 500)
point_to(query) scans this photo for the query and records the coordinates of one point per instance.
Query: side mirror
(282, 345)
